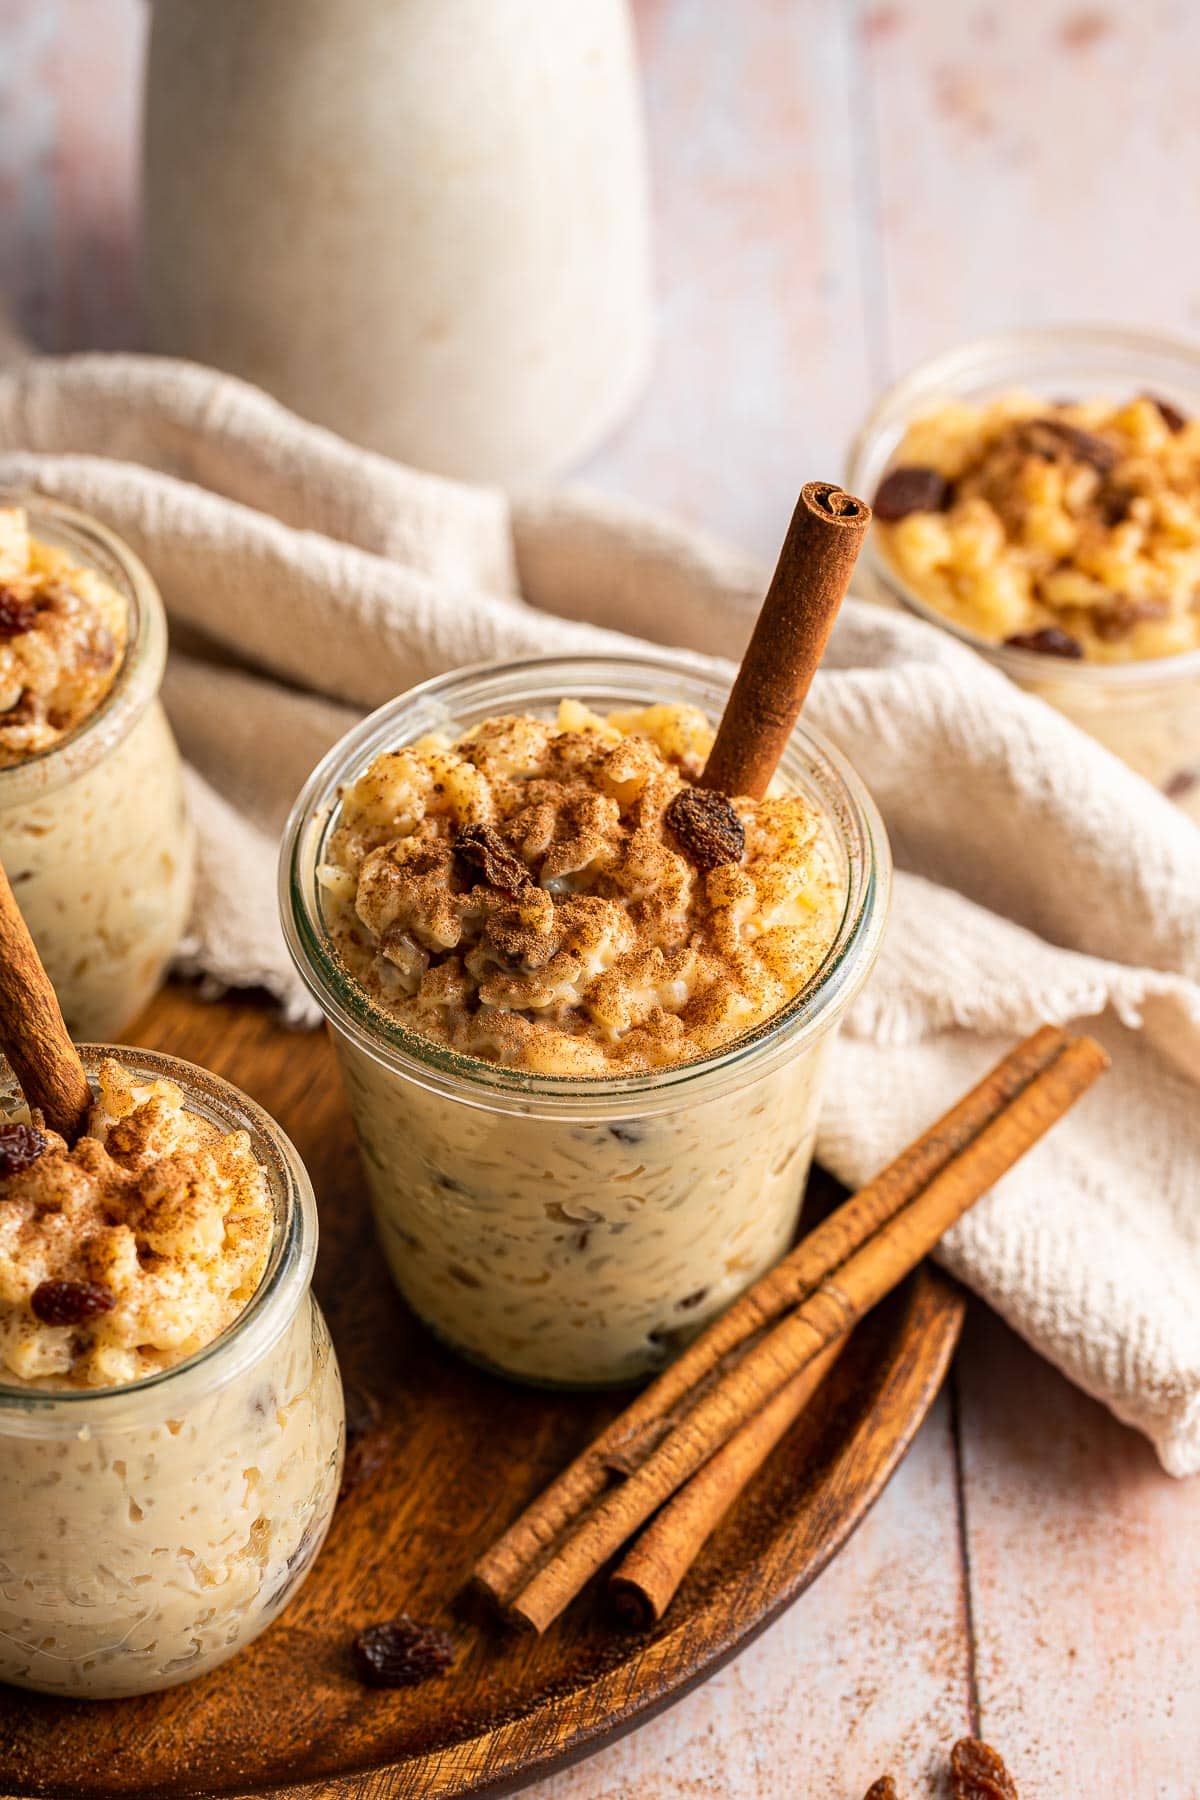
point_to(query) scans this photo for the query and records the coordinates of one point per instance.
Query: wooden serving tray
(465, 1452)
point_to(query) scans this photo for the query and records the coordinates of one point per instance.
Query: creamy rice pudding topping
(129, 1252)
(1070, 528)
(521, 894)
(63, 632)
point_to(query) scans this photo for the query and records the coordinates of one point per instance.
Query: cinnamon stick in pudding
(874, 1257)
(644, 1424)
(807, 588)
(647, 1579)
(33, 1034)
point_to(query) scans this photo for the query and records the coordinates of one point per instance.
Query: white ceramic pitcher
(421, 222)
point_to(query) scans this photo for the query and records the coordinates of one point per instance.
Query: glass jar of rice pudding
(565, 1227)
(151, 1527)
(94, 830)
(1134, 680)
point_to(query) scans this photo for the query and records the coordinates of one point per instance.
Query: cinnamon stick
(807, 588)
(33, 1034)
(648, 1578)
(849, 1291)
(505, 1568)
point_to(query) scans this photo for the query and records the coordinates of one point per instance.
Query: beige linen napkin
(1039, 879)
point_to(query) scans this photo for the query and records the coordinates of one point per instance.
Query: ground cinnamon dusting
(123, 1255)
(561, 897)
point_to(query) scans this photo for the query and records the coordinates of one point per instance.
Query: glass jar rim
(266, 1315)
(851, 813)
(1038, 349)
(142, 665)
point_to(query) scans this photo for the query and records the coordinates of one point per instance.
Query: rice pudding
(162, 1491)
(532, 893)
(1069, 529)
(1064, 538)
(565, 984)
(94, 831)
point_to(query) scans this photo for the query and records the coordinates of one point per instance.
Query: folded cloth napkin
(1039, 879)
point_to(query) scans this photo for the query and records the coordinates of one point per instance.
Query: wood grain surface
(839, 191)
(460, 1454)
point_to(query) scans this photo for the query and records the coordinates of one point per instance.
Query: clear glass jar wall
(573, 1231)
(94, 833)
(149, 1532)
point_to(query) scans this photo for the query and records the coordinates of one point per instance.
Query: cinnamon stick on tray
(790, 634)
(33, 1034)
(646, 1421)
(739, 1367)
(647, 1580)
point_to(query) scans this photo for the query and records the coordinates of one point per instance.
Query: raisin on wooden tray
(707, 827)
(71, 1302)
(401, 1653)
(20, 1145)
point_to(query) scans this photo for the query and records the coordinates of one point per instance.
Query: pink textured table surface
(840, 191)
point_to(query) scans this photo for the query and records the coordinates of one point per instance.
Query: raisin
(365, 1444)
(20, 1145)
(16, 613)
(27, 709)
(1171, 416)
(690, 1300)
(71, 1302)
(707, 827)
(626, 1133)
(977, 1773)
(1049, 641)
(401, 1653)
(1114, 504)
(883, 1789)
(1181, 783)
(1112, 623)
(1053, 439)
(482, 848)
(911, 488)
